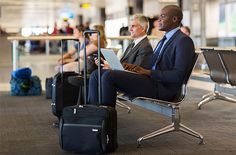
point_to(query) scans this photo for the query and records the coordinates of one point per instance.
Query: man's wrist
(148, 72)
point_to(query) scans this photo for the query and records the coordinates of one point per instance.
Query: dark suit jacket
(140, 55)
(172, 65)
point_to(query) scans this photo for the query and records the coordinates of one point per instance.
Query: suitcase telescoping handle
(61, 50)
(99, 67)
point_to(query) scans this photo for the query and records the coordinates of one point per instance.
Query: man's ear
(175, 19)
(144, 29)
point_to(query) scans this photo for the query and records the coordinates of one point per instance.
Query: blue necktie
(157, 52)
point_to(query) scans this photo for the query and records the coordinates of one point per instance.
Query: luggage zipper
(95, 128)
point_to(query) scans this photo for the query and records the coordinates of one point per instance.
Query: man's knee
(94, 75)
(108, 76)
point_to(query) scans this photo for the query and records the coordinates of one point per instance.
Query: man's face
(136, 30)
(166, 20)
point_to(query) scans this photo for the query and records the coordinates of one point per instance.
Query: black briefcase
(88, 129)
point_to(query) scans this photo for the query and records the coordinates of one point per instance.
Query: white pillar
(15, 56)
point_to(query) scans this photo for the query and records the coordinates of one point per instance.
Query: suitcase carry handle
(99, 67)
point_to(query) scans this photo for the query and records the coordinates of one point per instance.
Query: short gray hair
(143, 20)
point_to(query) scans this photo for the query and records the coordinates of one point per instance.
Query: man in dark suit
(171, 60)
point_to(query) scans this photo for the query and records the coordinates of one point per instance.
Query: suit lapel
(133, 51)
(166, 45)
(125, 53)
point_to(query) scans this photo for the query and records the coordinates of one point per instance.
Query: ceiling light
(85, 5)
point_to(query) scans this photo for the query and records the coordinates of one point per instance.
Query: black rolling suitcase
(88, 129)
(63, 93)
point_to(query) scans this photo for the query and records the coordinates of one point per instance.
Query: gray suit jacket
(140, 55)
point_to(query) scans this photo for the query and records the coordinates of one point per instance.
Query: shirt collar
(136, 41)
(171, 33)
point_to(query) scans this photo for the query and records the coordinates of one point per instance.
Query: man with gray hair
(140, 51)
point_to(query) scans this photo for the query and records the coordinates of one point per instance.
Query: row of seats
(222, 68)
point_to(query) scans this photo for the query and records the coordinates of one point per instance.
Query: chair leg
(175, 126)
(207, 95)
(206, 100)
(191, 132)
(215, 95)
(226, 98)
(122, 105)
(162, 131)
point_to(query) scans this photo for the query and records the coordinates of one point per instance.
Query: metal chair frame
(119, 103)
(176, 124)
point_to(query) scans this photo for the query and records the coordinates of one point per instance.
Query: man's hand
(137, 69)
(128, 67)
(141, 70)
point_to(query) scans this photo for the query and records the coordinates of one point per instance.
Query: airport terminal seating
(171, 109)
(221, 64)
(229, 60)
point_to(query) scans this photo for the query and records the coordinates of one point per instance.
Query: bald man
(171, 59)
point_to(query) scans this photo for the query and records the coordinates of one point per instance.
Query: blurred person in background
(70, 60)
(186, 30)
(155, 30)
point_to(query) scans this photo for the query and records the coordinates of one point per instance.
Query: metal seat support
(174, 106)
(121, 104)
(175, 126)
(213, 96)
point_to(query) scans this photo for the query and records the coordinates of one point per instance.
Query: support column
(15, 56)
(203, 22)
